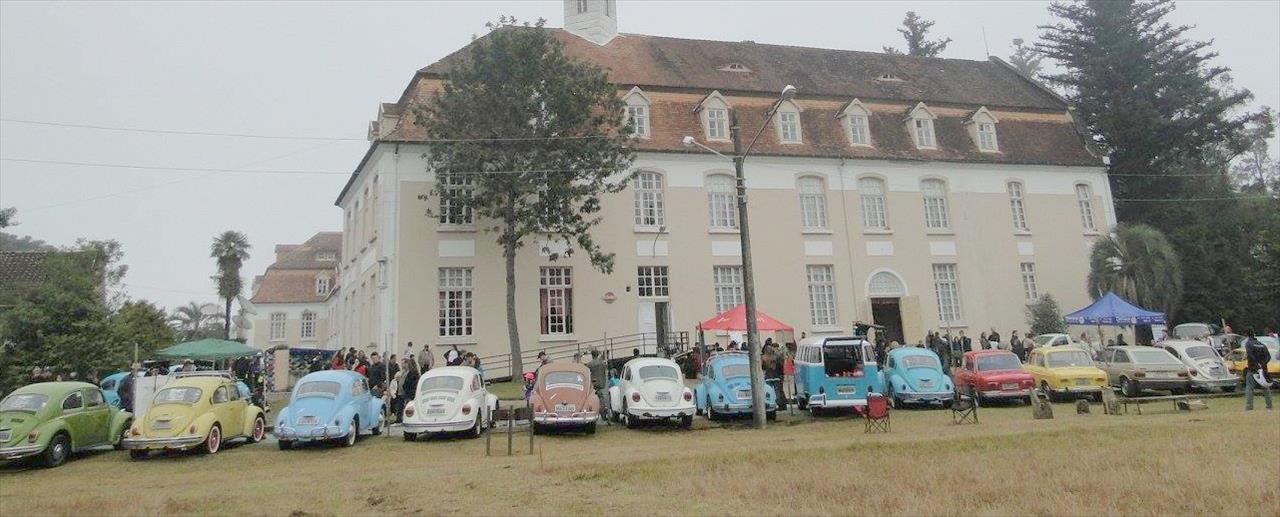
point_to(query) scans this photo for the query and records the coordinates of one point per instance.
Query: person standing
(409, 387)
(959, 346)
(995, 338)
(377, 374)
(453, 357)
(600, 381)
(1257, 356)
(427, 360)
(1017, 347)
(126, 388)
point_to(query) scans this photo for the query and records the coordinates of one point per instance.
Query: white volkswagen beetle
(651, 388)
(449, 399)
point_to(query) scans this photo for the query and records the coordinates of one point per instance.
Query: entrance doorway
(655, 322)
(887, 312)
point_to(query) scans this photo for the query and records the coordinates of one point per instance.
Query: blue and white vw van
(835, 372)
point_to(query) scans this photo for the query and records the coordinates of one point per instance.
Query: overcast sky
(320, 69)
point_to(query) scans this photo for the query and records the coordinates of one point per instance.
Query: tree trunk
(226, 323)
(513, 330)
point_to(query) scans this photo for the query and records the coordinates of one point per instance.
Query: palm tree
(230, 250)
(192, 321)
(1139, 264)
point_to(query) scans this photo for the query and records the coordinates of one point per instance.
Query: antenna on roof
(984, 41)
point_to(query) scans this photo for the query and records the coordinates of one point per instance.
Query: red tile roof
(292, 278)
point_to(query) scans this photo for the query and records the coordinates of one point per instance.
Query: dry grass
(1161, 463)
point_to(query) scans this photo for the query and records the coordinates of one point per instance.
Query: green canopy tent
(210, 349)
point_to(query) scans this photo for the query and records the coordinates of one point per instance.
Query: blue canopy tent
(1114, 310)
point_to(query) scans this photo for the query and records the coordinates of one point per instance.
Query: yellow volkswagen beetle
(1066, 371)
(196, 411)
(1237, 362)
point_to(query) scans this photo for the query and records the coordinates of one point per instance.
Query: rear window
(31, 402)
(1192, 330)
(322, 388)
(1201, 352)
(442, 382)
(1042, 340)
(919, 361)
(999, 362)
(1154, 356)
(1065, 359)
(178, 395)
(574, 379)
(658, 371)
(109, 385)
(730, 371)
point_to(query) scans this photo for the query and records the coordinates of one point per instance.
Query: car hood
(1077, 371)
(925, 379)
(172, 420)
(19, 423)
(323, 408)
(1003, 376)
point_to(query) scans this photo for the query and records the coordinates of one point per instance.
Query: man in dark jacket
(1257, 355)
(125, 390)
(377, 371)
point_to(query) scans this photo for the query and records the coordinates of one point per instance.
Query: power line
(273, 171)
(1153, 200)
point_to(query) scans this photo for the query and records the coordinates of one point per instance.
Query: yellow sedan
(1237, 362)
(1066, 372)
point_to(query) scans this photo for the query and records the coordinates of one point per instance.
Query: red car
(993, 375)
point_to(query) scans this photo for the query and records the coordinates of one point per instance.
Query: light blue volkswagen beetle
(914, 376)
(329, 405)
(725, 387)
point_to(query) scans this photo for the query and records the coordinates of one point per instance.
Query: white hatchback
(651, 388)
(449, 399)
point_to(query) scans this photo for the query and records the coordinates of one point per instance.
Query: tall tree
(191, 321)
(1045, 317)
(7, 216)
(1137, 262)
(1256, 171)
(516, 82)
(229, 249)
(916, 31)
(1026, 58)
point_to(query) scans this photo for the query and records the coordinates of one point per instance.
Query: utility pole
(758, 417)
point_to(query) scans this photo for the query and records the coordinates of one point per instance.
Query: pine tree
(915, 29)
(1045, 317)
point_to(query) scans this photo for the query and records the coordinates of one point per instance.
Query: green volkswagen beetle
(55, 419)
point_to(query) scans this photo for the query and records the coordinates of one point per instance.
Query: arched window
(721, 202)
(650, 206)
(1016, 204)
(885, 285)
(874, 213)
(1084, 198)
(936, 214)
(813, 203)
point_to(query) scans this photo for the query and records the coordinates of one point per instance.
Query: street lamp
(744, 238)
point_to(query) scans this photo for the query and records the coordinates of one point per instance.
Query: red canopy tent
(735, 319)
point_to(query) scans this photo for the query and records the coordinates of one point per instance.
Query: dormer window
(637, 115)
(982, 128)
(888, 77)
(920, 125)
(326, 256)
(735, 67)
(857, 123)
(322, 285)
(788, 123)
(715, 117)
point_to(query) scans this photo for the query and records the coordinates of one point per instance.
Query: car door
(220, 405)
(97, 415)
(77, 424)
(1035, 365)
(239, 407)
(1104, 363)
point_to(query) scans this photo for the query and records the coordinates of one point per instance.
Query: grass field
(1219, 461)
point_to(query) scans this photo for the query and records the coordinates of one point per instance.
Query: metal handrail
(647, 343)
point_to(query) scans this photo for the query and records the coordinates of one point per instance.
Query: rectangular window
(822, 296)
(652, 282)
(649, 199)
(947, 287)
(874, 216)
(326, 256)
(924, 132)
(322, 286)
(638, 117)
(1084, 198)
(936, 214)
(455, 300)
(722, 203)
(717, 123)
(859, 133)
(728, 285)
(277, 326)
(789, 126)
(1029, 281)
(813, 204)
(555, 299)
(308, 325)
(1016, 205)
(453, 211)
(987, 136)
(582, 6)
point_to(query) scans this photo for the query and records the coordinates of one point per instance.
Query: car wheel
(477, 429)
(213, 442)
(377, 430)
(285, 445)
(137, 454)
(630, 421)
(802, 402)
(124, 433)
(771, 415)
(591, 428)
(57, 451)
(409, 437)
(259, 430)
(711, 413)
(686, 422)
(1128, 388)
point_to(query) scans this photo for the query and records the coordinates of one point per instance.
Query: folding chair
(964, 409)
(877, 414)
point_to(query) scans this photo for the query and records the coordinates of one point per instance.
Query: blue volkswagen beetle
(110, 387)
(329, 405)
(725, 387)
(914, 376)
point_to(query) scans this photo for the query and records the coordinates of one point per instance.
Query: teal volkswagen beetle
(54, 419)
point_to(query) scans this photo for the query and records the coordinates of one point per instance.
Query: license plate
(1009, 386)
(744, 394)
(566, 407)
(846, 390)
(662, 396)
(307, 420)
(1082, 382)
(926, 384)
(435, 410)
(5, 435)
(162, 424)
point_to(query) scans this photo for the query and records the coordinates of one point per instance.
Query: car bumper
(1215, 383)
(180, 442)
(821, 401)
(19, 451)
(923, 397)
(317, 433)
(1005, 394)
(661, 413)
(1170, 384)
(438, 427)
(1077, 390)
(554, 420)
(740, 409)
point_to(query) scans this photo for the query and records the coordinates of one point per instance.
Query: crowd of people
(394, 378)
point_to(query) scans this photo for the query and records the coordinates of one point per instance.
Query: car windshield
(109, 385)
(178, 395)
(317, 388)
(1064, 359)
(730, 371)
(1201, 352)
(1042, 340)
(658, 371)
(1192, 330)
(998, 362)
(31, 402)
(919, 361)
(1154, 356)
(565, 379)
(442, 383)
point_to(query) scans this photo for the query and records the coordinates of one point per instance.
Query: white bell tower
(593, 20)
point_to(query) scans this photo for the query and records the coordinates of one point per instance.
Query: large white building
(920, 193)
(293, 297)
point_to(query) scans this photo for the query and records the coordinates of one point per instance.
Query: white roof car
(449, 399)
(652, 388)
(1053, 340)
(1207, 367)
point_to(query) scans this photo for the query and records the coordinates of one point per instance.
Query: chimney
(593, 20)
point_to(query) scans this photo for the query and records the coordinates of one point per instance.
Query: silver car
(1137, 368)
(1207, 368)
